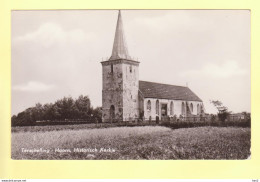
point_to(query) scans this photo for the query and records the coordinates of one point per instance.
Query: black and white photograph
(130, 85)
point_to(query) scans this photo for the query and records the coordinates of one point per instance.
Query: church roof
(119, 47)
(165, 91)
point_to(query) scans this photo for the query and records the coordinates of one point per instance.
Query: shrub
(189, 124)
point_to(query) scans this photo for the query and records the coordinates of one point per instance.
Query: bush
(188, 124)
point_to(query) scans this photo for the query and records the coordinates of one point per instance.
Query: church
(126, 98)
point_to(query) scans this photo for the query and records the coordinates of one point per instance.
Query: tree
(82, 105)
(14, 120)
(25, 118)
(50, 112)
(223, 112)
(37, 112)
(97, 114)
(66, 108)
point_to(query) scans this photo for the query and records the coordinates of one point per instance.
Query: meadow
(140, 142)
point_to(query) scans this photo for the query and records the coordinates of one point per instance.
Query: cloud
(49, 34)
(33, 86)
(161, 22)
(173, 21)
(226, 70)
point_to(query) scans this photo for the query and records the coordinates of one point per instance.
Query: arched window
(198, 109)
(183, 109)
(149, 105)
(157, 107)
(191, 107)
(112, 112)
(171, 108)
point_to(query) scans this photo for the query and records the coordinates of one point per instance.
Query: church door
(112, 113)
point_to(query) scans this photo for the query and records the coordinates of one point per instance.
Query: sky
(58, 53)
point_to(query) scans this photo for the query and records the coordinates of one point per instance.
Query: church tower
(120, 81)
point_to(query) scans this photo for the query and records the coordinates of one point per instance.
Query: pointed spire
(119, 48)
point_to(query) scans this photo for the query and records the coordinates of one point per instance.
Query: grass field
(147, 142)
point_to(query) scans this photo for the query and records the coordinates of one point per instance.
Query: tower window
(112, 69)
(130, 68)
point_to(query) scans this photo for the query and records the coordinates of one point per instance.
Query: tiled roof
(165, 91)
